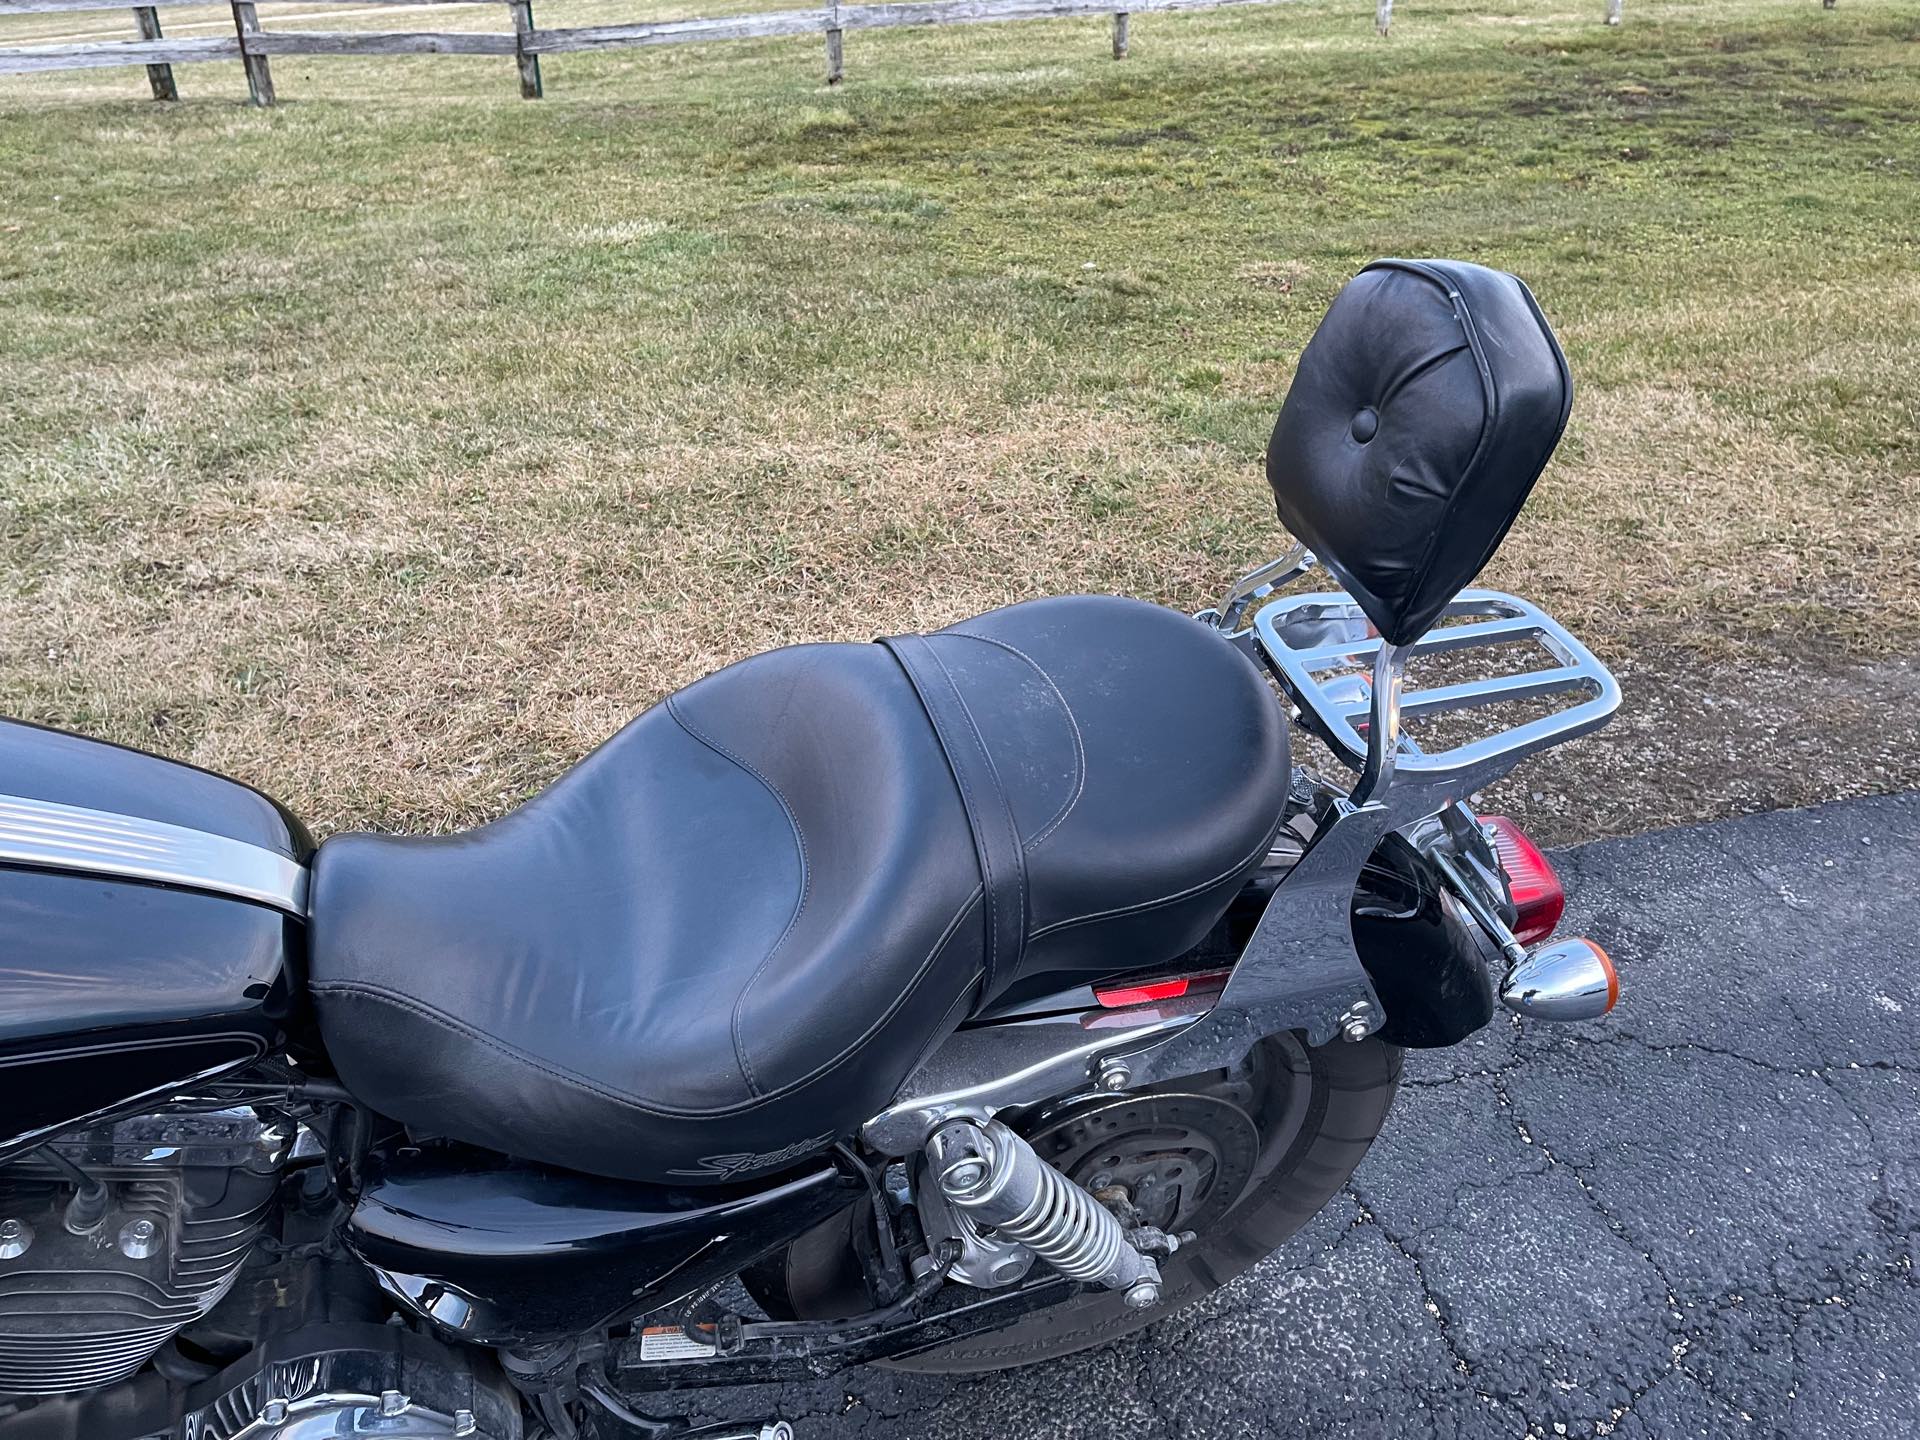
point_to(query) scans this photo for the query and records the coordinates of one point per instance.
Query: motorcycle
(949, 1002)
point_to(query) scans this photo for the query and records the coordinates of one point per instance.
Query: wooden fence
(254, 46)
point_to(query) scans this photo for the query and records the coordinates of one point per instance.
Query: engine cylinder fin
(77, 1312)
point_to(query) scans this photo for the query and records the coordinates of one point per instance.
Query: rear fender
(1430, 964)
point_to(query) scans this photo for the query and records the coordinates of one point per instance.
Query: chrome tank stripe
(52, 836)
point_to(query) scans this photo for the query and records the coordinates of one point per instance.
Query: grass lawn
(391, 448)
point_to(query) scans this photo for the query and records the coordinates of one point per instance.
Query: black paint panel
(84, 953)
(52, 765)
(1420, 951)
(506, 1252)
(109, 989)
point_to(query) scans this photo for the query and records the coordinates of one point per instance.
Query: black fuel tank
(112, 985)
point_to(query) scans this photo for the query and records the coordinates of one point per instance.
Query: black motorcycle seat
(723, 939)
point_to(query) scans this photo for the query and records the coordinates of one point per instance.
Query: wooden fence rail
(253, 45)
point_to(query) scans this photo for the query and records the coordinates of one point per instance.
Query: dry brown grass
(397, 477)
(435, 654)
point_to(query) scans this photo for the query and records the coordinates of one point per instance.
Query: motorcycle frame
(1299, 971)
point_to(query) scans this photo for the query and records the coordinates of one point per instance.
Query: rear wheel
(1243, 1158)
(1316, 1112)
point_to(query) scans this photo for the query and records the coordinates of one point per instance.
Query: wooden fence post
(1119, 34)
(1383, 16)
(529, 63)
(246, 24)
(836, 45)
(158, 76)
(1613, 12)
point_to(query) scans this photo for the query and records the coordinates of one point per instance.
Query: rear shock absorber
(996, 1179)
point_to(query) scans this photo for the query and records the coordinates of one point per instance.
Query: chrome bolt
(959, 1155)
(1142, 1294)
(273, 1412)
(15, 1237)
(1114, 1075)
(1354, 1026)
(464, 1423)
(139, 1239)
(392, 1402)
(967, 1175)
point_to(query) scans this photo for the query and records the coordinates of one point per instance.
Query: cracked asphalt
(1695, 1218)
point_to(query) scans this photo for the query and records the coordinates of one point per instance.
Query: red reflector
(1118, 997)
(1536, 889)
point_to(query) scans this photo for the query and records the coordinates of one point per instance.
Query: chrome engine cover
(333, 1380)
(188, 1194)
(329, 1414)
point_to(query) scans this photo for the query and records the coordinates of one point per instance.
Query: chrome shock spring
(996, 1179)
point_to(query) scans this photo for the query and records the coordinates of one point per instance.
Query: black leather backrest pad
(1422, 411)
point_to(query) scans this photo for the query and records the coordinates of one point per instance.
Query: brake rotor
(1183, 1159)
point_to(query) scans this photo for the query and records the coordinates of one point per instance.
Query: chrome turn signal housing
(1566, 980)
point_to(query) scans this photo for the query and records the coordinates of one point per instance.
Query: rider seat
(723, 939)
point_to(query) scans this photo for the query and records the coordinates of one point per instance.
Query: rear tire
(1339, 1098)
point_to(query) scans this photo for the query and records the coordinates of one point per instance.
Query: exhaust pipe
(1567, 980)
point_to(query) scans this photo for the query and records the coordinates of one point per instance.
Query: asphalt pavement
(1695, 1218)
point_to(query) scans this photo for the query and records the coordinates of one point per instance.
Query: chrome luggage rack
(1303, 639)
(1319, 650)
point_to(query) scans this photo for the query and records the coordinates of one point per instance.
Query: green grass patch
(394, 444)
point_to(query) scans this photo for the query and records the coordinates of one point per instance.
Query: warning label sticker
(670, 1342)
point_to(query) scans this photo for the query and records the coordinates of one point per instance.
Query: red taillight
(1118, 997)
(1536, 889)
